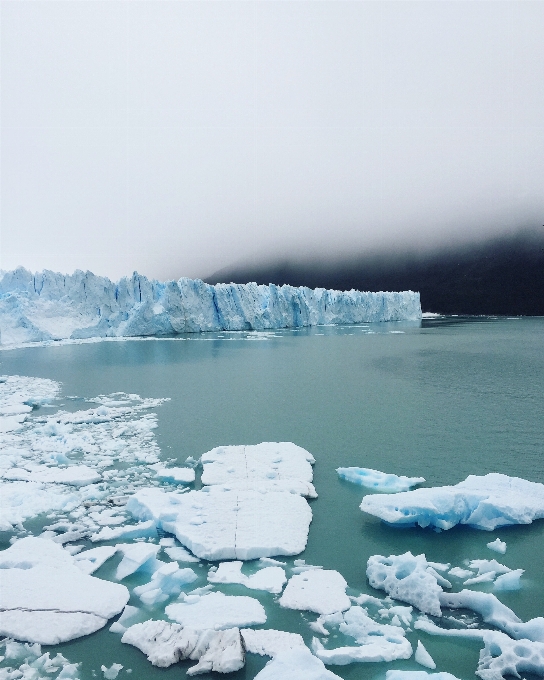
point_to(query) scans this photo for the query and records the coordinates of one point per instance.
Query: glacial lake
(442, 399)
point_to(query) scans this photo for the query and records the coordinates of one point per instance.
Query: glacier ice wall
(52, 306)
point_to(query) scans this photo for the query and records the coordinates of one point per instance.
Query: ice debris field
(50, 306)
(84, 488)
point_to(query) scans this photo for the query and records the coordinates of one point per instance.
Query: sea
(443, 398)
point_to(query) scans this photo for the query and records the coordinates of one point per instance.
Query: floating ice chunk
(275, 466)
(380, 481)
(112, 672)
(486, 566)
(488, 577)
(460, 573)
(497, 545)
(376, 641)
(269, 642)
(74, 475)
(402, 613)
(296, 664)
(406, 578)
(180, 554)
(510, 581)
(127, 619)
(377, 649)
(220, 525)
(319, 590)
(493, 611)
(165, 643)
(168, 580)
(423, 658)
(107, 517)
(141, 530)
(45, 598)
(217, 611)
(486, 502)
(90, 560)
(135, 556)
(176, 475)
(271, 579)
(167, 542)
(418, 675)
(502, 656)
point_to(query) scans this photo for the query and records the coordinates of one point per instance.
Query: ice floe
(112, 672)
(216, 524)
(49, 306)
(418, 675)
(296, 664)
(91, 560)
(269, 642)
(379, 481)
(45, 598)
(218, 611)
(270, 466)
(271, 579)
(375, 641)
(175, 475)
(318, 590)
(485, 502)
(166, 643)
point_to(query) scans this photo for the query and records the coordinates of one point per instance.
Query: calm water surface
(443, 400)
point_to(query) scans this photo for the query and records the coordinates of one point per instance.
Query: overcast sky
(180, 137)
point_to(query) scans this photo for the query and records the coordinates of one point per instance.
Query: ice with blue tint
(486, 502)
(379, 481)
(52, 306)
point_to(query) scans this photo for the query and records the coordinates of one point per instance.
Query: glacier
(51, 306)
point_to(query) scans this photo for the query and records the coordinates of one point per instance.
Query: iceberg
(166, 643)
(46, 599)
(52, 306)
(379, 481)
(497, 545)
(408, 578)
(216, 524)
(486, 502)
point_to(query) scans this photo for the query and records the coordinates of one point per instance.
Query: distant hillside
(500, 276)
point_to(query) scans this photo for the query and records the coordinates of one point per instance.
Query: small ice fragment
(497, 545)
(509, 581)
(379, 481)
(125, 620)
(488, 577)
(180, 554)
(136, 555)
(176, 475)
(460, 573)
(484, 566)
(270, 562)
(217, 611)
(269, 642)
(423, 657)
(167, 542)
(112, 672)
(296, 664)
(319, 590)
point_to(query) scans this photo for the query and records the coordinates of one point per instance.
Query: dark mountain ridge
(502, 275)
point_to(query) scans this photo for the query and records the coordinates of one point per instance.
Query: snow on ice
(270, 466)
(296, 664)
(51, 306)
(271, 579)
(45, 598)
(485, 502)
(216, 524)
(216, 610)
(317, 590)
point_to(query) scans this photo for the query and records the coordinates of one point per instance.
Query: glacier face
(52, 306)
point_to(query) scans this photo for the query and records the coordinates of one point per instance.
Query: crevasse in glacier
(53, 306)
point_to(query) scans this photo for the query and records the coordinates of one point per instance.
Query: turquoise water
(442, 400)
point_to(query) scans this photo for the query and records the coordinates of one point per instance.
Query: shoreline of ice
(50, 306)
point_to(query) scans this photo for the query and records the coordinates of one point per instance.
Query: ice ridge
(53, 306)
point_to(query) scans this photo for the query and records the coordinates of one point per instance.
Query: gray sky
(180, 137)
